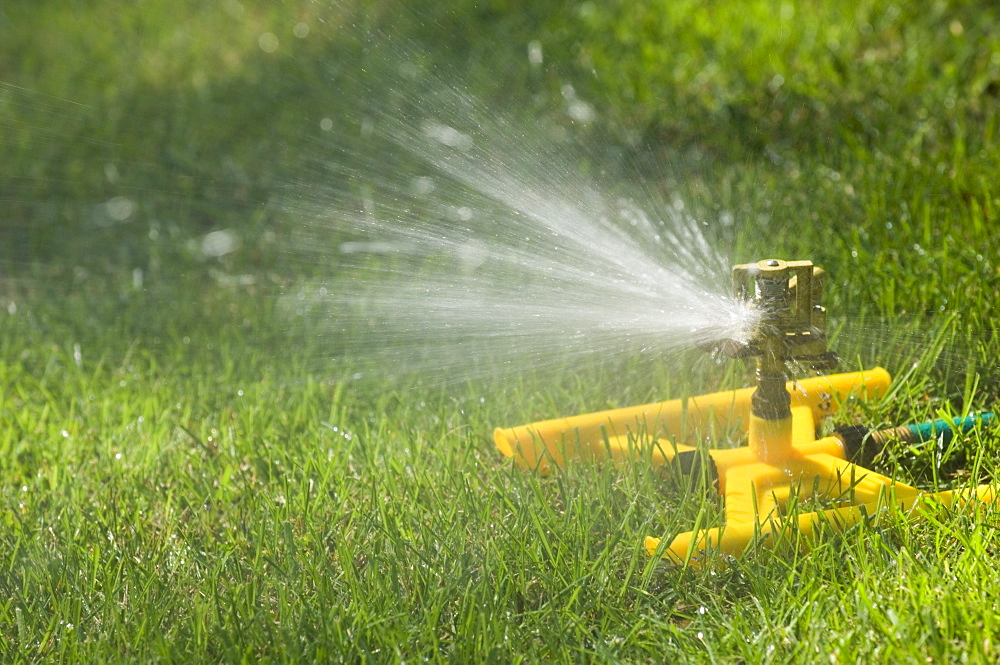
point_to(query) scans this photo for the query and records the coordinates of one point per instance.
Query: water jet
(783, 465)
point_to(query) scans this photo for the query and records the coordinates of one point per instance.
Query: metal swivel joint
(792, 328)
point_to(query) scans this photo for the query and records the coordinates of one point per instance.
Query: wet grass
(190, 471)
(177, 502)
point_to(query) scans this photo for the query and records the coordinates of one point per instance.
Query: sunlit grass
(190, 470)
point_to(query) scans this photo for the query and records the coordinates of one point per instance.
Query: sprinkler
(792, 327)
(785, 482)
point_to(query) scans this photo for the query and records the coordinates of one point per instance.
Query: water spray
(785, 484)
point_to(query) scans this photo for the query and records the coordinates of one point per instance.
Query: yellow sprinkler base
(764, 484)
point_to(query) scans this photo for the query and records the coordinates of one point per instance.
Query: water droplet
(423, 185)
(219, 243)
(535, 52)
(268, 42)
(446, 135)
(580, 111)
(119, 208)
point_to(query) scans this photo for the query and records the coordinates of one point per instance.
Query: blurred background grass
(195, 112)
(859, 136)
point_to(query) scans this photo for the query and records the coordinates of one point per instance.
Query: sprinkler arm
(664, 431)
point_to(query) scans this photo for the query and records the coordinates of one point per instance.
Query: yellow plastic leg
(620, 433)
(770, 440)
(735, 539)
(757, 497)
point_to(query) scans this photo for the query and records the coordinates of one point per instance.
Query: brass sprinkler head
(792, 327)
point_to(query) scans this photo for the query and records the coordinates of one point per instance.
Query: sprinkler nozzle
(792, 327)
(792, 324)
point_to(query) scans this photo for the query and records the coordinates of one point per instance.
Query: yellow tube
(606, 434)
(770, 440)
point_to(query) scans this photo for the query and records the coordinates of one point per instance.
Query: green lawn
(193, 469)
